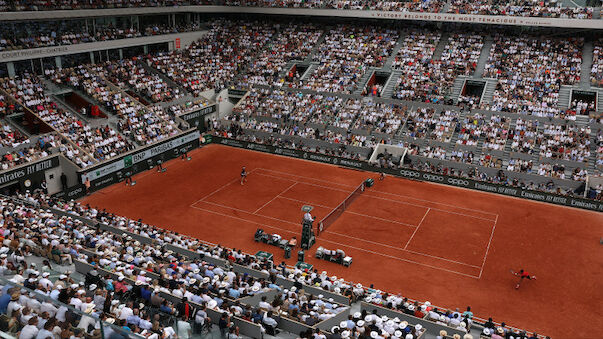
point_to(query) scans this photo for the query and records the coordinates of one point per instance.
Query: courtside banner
(195, 118)
(325, 158)
(72, 193)
(27, 171)
(141, 160)
(415, 174)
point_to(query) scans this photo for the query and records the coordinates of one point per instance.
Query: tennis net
(330, 218)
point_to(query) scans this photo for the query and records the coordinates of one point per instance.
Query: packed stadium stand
(93, 92)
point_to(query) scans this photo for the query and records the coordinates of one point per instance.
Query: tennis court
(451, 246)
(412, 230)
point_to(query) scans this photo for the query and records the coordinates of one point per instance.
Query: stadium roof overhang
(361, 14)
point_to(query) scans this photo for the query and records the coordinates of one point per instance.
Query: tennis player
(243, 175)
(523, 275)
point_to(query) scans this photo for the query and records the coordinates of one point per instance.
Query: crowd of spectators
(490, 160)
(96, 144)
(213, 61)
(520, 165)
(67, 307)
(416, 52)
(188, 106)
(9, 136)
(346, 54)
(432, 6)
(420, 122)
(525, 8)
(129, 73)
(445, 126)
(499, 178)
(380, 117)
(430, 79)
(524, 135)
(23, 35)
(136, 121)
(434, 152)
(40, 149)
(470, 129)
(292, 106)
(292, 42)
(599, 145)
(461, 155)
(530, 72)
(566, 142)
(596, 72)
(579, 107)
(44, 5)
(496, 132)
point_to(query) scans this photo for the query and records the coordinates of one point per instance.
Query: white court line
(138, 176)
(441, 258)
(488, 247)
(340, 234)
(343, 245)
(429, 208)
(365, 194)
(416, 229)
(405, 250)
(310, 178)
(240, 210)
(307, 183)
(220, 188)
(382, 192)
(271, 200)
(434, 202)
(348, 211)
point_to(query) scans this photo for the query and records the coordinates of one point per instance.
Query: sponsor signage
(196, 118)
(24, 172)
(198, 113)
(72, 193)
(348, 13)
(130, 164)
(51, 51)
(416, 174)
(236, 92)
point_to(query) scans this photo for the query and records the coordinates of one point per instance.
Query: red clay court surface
(451, 246)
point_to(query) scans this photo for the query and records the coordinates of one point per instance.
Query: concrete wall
(379, 15)
(186, 39)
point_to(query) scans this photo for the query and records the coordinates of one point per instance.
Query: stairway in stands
(163, 77)
(309, 71)
(287, 67)
(483, 57)
(319, 42)
(388, 63)
(391, 83)
(565, 94)
(455, 134)
(361, 84)
(53, 89)
(437, 53)
(457, 88)
(587, 62)
(488, 94)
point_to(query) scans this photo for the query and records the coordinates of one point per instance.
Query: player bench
(337, 256)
